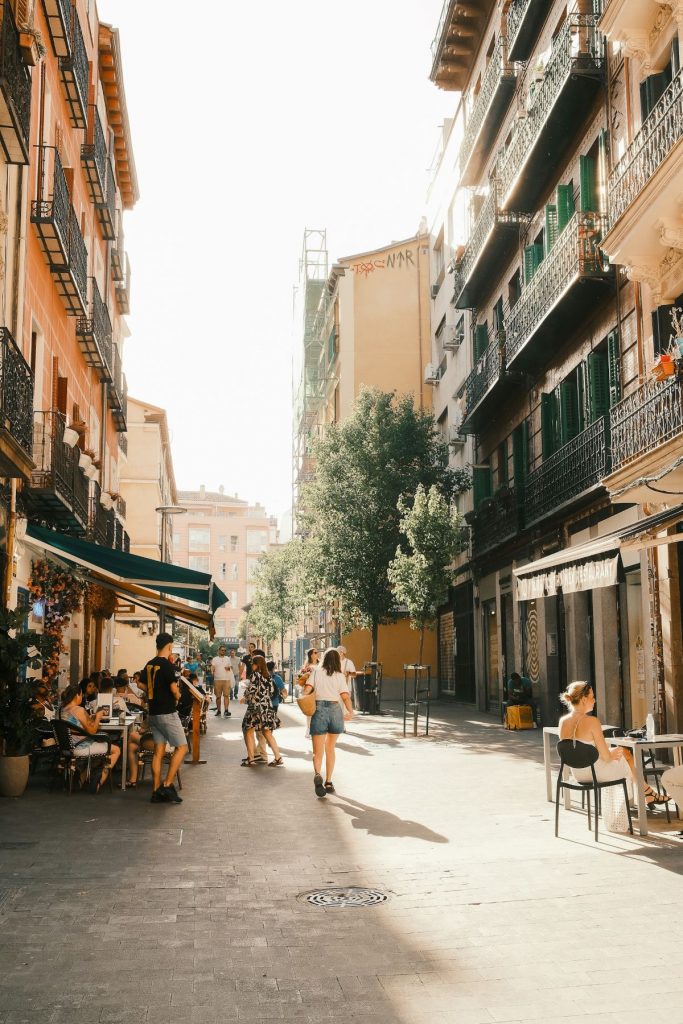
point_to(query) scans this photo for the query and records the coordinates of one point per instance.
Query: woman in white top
(312, 663)
(329, 684)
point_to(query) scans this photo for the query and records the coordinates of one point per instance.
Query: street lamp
(165, 511)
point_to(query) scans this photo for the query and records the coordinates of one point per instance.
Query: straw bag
(307, 703)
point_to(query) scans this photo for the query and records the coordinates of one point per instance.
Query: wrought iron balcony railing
(59, 14)
(121, 507)
(488, 371)
(59, 490)
(117, 394)
(123, 443)
(122, 288)
(94, 334)
(648, 151)
(497, 520)
(577, 56)
(646, 419)
(524, 19)
(51, 215)
(16, 393)
(106, 209)
(15, 93)
(576, 256)
(74, 71)
(118, 266)
(94, 158)
(485, 234)
(494, 96)
(577, 467)
(99, 518)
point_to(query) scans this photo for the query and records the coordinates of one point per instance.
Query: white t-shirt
(328, 687)
(347, 665)
(221, 669)
(235, 666)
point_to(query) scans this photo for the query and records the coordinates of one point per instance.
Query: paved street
(112, 909)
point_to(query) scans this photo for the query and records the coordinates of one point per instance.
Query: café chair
(45, 749)
(145, 755)
(653, 770)
(69, 755)
(584, 755)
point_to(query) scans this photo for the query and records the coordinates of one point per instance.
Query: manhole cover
(344, 896)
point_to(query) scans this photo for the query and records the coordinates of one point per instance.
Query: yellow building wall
(397, 645)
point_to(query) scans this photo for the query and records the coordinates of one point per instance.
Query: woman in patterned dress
(260, 714)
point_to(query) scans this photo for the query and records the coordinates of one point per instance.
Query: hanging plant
(102, 601)
(61, 594)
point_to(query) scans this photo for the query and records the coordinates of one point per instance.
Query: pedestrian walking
(349, 670)
(163, 693)
(235, 665)
(260, 714)
(278, 694)
(312, 662)
(223, 681)
(329, 684)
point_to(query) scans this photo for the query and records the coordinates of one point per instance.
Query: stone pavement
(113, 909)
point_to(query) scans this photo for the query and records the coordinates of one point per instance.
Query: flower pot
(663, 368)
(13, 775)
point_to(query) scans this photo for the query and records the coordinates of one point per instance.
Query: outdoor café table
(113, 725)
(670, 741)
(548, 732)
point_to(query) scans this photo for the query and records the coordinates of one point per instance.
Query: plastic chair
(584, 755)
(69, 754)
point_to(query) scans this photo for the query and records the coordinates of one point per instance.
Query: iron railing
(75, 74)
(496, 521)
(16, 392)
(498, 67)
(577, 48)
(57, 209)
(94, 152)
(436, 42)
(81, 489)
(78, 256)
(489, 215)
(123, 443)
(16, 82)
(59, 14)
(121, 506)
(645, 419)
(102, 325)
(515, 17)
(122, 287)
(56, 465)
(576, 254)
(97, 520)
(486, 373)
(106, 209)
(648, 151)
(577, 466)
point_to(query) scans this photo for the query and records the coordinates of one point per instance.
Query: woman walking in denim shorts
(329, 684)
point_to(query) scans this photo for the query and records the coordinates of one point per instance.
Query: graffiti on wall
(402, 258)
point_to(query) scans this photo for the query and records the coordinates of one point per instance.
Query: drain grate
(344, 896)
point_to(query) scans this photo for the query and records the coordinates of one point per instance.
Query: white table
(670, 741)
(115, 726)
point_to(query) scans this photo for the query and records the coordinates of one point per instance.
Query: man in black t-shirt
(160, 678)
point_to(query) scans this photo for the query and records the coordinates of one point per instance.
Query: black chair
(145, 755)
(44, 750)
(584, 755)
(653, 770)
(69, 755)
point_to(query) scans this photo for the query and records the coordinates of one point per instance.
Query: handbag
(307, 703)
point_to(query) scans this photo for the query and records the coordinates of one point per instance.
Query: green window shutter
(482, 484)
(565, 206)
(520, 452)
(547, 425)
(332, 347)
(586, 184)
(614, 362)
(481, 340)
(569, 411)
(581, 393)
(533, 257)
(598, 385)
(503, 475)
(550, 227)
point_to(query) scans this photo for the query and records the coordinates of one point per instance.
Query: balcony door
(491, 656)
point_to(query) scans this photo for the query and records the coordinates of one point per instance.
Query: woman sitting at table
(582, 727)
(89, 689)
(73, 712)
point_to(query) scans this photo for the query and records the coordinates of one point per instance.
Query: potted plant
(17, 718)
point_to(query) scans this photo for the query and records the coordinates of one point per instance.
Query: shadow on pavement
(382, 823)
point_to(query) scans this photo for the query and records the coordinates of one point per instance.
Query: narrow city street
(112, 909)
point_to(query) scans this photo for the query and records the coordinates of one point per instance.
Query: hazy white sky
(250, 122)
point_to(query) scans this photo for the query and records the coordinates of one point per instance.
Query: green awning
(122, 567)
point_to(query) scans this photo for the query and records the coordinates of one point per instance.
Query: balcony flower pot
(664, 367)
(70, 437)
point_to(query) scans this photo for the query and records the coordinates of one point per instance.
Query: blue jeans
(328, 718)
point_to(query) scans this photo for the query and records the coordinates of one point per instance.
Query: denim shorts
(168, 729)
(328, 717)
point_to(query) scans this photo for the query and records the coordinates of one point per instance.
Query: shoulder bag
(307, 702)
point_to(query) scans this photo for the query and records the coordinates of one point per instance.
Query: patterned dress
(260, 713)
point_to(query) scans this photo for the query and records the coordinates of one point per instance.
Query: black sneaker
(171, 794)
(159, 796)
(218, 713)
(227, 714)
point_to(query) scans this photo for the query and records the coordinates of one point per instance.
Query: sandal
(318, 784)
(656, 798)
(277, 763)
(248, 762)
(330, 788)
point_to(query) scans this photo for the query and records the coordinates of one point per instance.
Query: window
(199, 538)
(233, 543)
(233, 598)
(223, 569)
(257, 541)
(222, 539)
(234, 571)
(251, 567)
(199, 562)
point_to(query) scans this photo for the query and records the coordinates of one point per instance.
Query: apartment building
(224, 535)
(545, 335)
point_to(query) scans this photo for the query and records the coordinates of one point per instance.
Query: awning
(594, 564)
(141, 580)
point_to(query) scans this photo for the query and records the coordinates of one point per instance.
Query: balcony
(494, 238)
(100, 520)
(563, 291)
(117, 395)
(524, 20)
(59, 491)
(569, 474)
(15, 94)
(644, 196)
(16, 410)
(94, 158)
(122, 288)
(497, 520)
(497, 89)
(571, 81)
(94, 335)
(488, 381)
(72, 280)
(59, 234)
(123, 443)
(647, 429)
(457, 40)
(117, 251)
(106, 209)
(58, 14)
(74, 72)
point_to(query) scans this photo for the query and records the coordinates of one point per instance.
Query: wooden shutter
(569, 411)
(482, 484)
(614, 367)
(481, 340)
(547, 425)
(533, 257)
(598, 385)
(581, 396)
(550, 227)
(650, 92)
(520, 452)
(503, 475)
(565, 206)
(586, 184)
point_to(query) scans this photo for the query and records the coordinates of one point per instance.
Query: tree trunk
(422, 641)
(375, 634)
(282, 646)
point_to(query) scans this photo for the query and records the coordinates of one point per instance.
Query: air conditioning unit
(431, 374)
(455, 438)
(450, 338)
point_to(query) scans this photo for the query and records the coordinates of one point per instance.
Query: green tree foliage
(280, 592)
(420, 577)
(351, 517)
(17, 649)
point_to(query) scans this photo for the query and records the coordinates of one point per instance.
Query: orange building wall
(397, 645)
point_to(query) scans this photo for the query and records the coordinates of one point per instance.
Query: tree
(351, 515)
(420, 578)
(279, 592)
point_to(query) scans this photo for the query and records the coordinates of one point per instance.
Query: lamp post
(165, 511)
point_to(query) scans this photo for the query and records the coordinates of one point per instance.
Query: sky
(250, 123)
